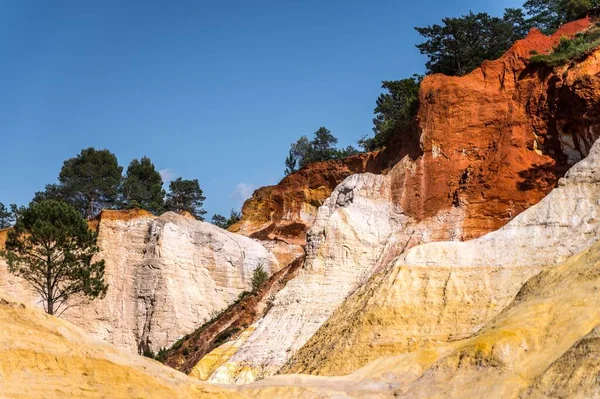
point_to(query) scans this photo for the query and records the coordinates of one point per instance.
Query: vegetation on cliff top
(456, 47)
(225, 223)
(320, 148)
(549, 15)
(143, 187)
(6, 217)
(570, 49)
(93, 180)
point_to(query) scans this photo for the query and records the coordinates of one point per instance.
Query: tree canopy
(143, 186)
(320, 148)
(89, 182)
(186, 195)
(225, 223)
(51, 247)
(459, 45)
(549, 15)
(395, 109)
(6, 217)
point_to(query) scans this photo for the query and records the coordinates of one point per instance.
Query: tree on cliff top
(89, 182)
(320, 148)
(394, 109)
(6, 217)
(459, 45)
(549, 15)
(51, 247)
(225, 223)
(186, 195)
(143, 186)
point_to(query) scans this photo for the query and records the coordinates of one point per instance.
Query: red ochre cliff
(493, 142)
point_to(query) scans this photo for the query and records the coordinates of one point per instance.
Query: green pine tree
(186, 195)
(142, 186)
(6, 217)
(51, 247)
(89, 182)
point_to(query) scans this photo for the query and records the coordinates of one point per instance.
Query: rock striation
(444, 291)
(492, 145)
(330, 272)
(166, 276)
(544, 344)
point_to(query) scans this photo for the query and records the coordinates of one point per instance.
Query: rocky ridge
(441, 292)
(166, 276)
(485, 156)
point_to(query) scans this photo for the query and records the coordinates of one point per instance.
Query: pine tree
(89, 182)
(186, 195)
(142, 186)
(51, 247)
(225, 223)
(6, 217)
(290, 164)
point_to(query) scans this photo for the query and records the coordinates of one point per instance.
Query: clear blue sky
(213, 90)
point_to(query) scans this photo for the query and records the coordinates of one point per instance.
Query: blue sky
(213, 90)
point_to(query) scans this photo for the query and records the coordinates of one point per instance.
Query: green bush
(161, 356)
(569, 49)
(259, 277)
(147, 352)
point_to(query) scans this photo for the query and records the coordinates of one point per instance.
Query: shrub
(161, 356)
(148, 353)
(259, 277)
(569, 50)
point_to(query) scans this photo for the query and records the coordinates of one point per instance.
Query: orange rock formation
(493, 142)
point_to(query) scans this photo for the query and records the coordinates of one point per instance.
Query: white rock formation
(166, 276)
(436, 292)
(564, 223)
(440, 292)
(344, 246)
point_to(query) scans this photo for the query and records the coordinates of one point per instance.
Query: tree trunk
(50, 299)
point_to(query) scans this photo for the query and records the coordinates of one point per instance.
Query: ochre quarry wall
(166, 275)
(285, 211)
(493, 142)
(490, 145)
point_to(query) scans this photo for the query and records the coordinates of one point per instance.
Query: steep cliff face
(285, 211)
(496, 141)
(542, 345)
(493, 142)
(492, 145)
(166, 276)
(445, 291)
(189, 354)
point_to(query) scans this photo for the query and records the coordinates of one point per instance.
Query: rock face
(359, 215)
(284, 212)
(543, 345)
(444, 291)
(166, 276)
(189, 355)
(494, 142)
(492, 145)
